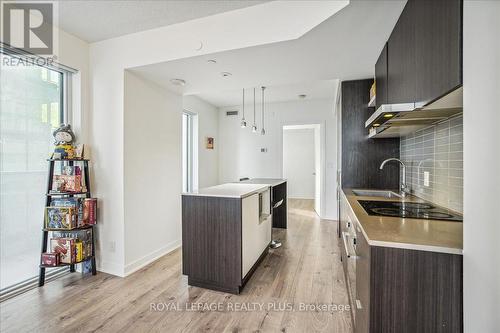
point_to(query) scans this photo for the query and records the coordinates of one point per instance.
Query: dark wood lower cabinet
(211, 242)
(403, 290)
(399, 290)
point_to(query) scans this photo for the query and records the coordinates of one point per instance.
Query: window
(32, 105)
(187, 151)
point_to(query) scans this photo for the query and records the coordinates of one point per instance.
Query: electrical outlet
(426, 178)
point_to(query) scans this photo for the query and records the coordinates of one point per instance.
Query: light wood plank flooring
(305, 270)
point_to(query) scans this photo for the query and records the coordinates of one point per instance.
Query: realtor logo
(28, 26)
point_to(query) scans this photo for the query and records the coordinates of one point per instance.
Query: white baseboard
(299, 198)
(149, 258)
(110, 268)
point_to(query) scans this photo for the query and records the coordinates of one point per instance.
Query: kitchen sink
(376, 193)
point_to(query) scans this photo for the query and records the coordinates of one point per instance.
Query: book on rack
(60, 218)
(66, 249)
(50, 259)
(84, 236)
(90, 211)
(76, 203)
(79, 255)
(67, 183)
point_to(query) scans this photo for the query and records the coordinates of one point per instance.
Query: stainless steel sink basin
(376, 193)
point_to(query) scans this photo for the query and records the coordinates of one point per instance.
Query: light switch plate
(426, 178)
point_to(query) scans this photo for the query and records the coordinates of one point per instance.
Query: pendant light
(243, 121)
(254, 127)
(263, 131)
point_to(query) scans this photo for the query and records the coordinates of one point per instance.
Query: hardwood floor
(306, 270)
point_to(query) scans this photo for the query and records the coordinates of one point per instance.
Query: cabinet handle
(279, 203)
(358, 304)
(344, 239)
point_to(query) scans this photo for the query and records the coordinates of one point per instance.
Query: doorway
(302, 163)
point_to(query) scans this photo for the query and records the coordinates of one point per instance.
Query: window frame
(65, 101)
(188, 183)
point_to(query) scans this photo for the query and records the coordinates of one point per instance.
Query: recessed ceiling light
(178, 82)
(302, 96)
(388, 115)
(376, 125)
(212, 61)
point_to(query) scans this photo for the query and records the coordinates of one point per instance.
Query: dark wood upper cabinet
(438, 54)
(381, 77)
(401, 56)
(422, 61)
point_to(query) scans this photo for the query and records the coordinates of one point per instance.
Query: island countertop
(268, 181)
(229, 190)
(407, 233)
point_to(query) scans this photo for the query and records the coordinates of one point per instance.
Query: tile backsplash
(437, 150)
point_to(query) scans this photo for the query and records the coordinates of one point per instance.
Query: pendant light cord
(254, 120)
(263, 106)
(263, 131)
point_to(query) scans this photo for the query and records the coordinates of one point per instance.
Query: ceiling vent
(231, 113)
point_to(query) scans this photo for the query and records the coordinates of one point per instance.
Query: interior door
(317, 170)
(299, 163)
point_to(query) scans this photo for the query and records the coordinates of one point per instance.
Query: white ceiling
(345, 46)
(282, 93)
(98, 20)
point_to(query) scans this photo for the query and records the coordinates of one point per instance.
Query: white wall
(299, 157)
(240, 154)
(208, 126)
(110, 58)
(74, 53)
(481, 166)
(152, 171)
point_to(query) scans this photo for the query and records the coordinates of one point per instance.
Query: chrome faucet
(404, 188)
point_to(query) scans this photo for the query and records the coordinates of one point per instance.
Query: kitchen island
(226, 231)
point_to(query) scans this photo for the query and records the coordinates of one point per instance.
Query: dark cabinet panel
(401, 56)
(361, 156)
(415, 291)
(211, 242)
(438, 53)
(423, 54)
(280, 213)
(381, 77)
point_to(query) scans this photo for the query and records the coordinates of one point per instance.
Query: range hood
(396, 120)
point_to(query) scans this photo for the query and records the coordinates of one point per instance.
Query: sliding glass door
(31, 107)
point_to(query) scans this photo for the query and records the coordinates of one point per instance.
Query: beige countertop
(416, 234)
